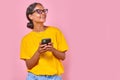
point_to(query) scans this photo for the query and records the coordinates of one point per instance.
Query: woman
(43, 48)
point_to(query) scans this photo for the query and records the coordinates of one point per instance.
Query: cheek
(37, 15)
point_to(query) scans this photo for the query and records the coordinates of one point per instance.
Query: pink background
(92, 30)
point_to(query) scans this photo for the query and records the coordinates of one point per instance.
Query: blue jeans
(43, 77)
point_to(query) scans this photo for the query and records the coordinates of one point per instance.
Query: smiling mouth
(42, 16)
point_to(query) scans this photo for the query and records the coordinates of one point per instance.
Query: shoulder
(26, 37)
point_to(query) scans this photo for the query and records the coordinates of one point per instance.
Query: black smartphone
(46, 41)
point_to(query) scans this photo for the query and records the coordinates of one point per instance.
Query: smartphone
(46, 41)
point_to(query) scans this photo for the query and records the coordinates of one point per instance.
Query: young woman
(43, 48)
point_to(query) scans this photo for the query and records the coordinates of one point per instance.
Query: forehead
(38, 6)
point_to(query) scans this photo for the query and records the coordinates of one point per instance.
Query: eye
(39, 11)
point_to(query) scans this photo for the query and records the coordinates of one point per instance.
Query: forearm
(58, 54)
(30, 63)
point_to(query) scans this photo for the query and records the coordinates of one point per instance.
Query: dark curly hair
(30, 11)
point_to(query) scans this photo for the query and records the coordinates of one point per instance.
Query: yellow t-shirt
(48, 64)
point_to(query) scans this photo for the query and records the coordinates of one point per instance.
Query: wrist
(38, 51)
(53, 50)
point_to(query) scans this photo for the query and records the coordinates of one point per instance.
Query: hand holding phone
(45, 45)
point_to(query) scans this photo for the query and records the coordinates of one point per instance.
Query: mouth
(43, 17)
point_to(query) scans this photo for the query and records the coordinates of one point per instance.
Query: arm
(58, 54)
(30, 63)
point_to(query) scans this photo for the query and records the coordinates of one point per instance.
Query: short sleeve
(61, 42)
(23, 50)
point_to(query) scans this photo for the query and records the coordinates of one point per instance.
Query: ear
(30, 16)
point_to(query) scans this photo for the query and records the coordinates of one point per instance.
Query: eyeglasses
(39, 11)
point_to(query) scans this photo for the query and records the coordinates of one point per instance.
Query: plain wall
(91, 28)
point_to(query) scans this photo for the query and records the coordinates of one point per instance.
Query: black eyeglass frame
(39, 11)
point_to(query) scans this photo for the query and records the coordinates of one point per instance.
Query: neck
(38, 27)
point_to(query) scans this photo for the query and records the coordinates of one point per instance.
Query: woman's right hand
(42, 48)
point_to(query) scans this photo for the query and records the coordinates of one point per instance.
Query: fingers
(50, 45)
(42, 48)
(45, 47)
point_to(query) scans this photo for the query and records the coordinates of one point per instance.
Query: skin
(38, 21)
